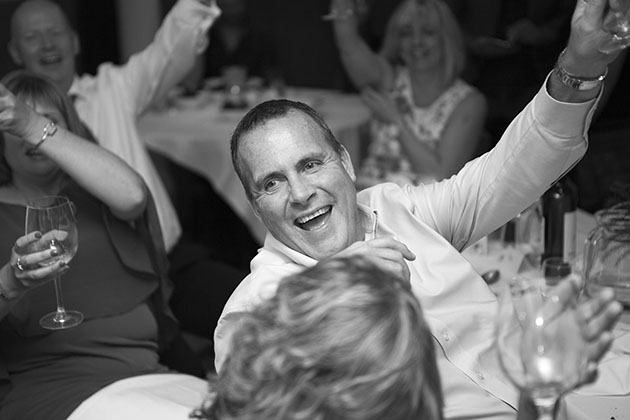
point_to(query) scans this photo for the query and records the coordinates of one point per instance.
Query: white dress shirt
(110, 102)
(437, 221)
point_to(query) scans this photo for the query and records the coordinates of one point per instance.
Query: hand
(382, 105)
(27, 266)
(16, 117)
(387, 253)
(588, 36)
(597, 317)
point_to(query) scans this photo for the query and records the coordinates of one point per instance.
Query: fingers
(33, 260)
(387, 253)
(598, 314)
(596, 318)
(593, 10)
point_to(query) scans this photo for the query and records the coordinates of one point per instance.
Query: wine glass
(617, 23)
(53, 217)
(539, 342)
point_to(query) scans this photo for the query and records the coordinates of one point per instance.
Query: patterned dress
(385, 161)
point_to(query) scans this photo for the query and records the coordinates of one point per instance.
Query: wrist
(579, 78)
(582, 68)
(48, 130)
(8, 293)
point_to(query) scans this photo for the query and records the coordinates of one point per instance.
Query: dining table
(195, 132)
(609, 398)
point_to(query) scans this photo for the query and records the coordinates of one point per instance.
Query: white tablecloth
(197, 135)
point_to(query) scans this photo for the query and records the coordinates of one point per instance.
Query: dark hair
(342, 340)
(32, 89)
(270, 110)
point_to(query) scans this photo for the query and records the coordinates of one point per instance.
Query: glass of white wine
(617, 23)
(53, 217)
(538, 337)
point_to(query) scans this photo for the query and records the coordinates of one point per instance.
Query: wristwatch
(577, 82)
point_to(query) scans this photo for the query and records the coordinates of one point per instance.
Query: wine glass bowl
(53, 217)
(538, 337)
(617, 24)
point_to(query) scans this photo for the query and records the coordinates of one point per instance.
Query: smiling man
(300, 182)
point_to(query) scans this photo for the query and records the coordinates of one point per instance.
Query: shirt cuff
(566, 119)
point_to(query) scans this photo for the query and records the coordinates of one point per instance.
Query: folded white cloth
(165, 396)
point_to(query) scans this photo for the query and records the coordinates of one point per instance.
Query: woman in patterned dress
(427, 121)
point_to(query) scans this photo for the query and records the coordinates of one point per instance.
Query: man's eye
(311, 165)
(271, 184)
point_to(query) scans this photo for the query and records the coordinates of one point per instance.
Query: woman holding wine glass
(111, 280)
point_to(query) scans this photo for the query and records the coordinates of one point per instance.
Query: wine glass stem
(61, 310)
(545, 411)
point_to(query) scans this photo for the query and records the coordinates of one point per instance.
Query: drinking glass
(617, 23)
(538, 338)
(557, 269)
(53, 217)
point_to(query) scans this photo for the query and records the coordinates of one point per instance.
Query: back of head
(454, 50)
(341, 340)
(270, 110)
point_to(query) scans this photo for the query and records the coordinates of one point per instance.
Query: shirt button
(445, 336)
(480, 376)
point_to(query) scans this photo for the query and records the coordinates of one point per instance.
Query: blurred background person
(209, 257)
(428, 122)
(511, 46)
(127, 325)
(235, 41)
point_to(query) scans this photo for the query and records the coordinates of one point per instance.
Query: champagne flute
(539, 342)
(617, 23)
(53, 217)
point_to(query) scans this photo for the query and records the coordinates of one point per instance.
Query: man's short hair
(268, 111)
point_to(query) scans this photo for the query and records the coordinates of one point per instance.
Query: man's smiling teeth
(306, 219)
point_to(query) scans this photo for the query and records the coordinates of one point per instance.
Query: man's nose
(47, 42)
(301, 189)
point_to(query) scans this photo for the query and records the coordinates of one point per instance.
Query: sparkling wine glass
(538, 338)
(617, 23)
(53, 217)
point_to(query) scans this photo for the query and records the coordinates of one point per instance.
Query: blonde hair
(341, 340)
(454, 52)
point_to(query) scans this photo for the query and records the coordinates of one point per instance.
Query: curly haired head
(341, 340)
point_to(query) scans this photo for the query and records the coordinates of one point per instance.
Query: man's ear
(347, 163)
(13, 52)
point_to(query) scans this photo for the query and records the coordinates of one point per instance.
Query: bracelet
(49, 130)
(337, 15)
(578, 82)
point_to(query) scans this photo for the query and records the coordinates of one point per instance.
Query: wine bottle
(560, 220)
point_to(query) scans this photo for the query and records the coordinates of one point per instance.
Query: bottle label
(569, 242)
